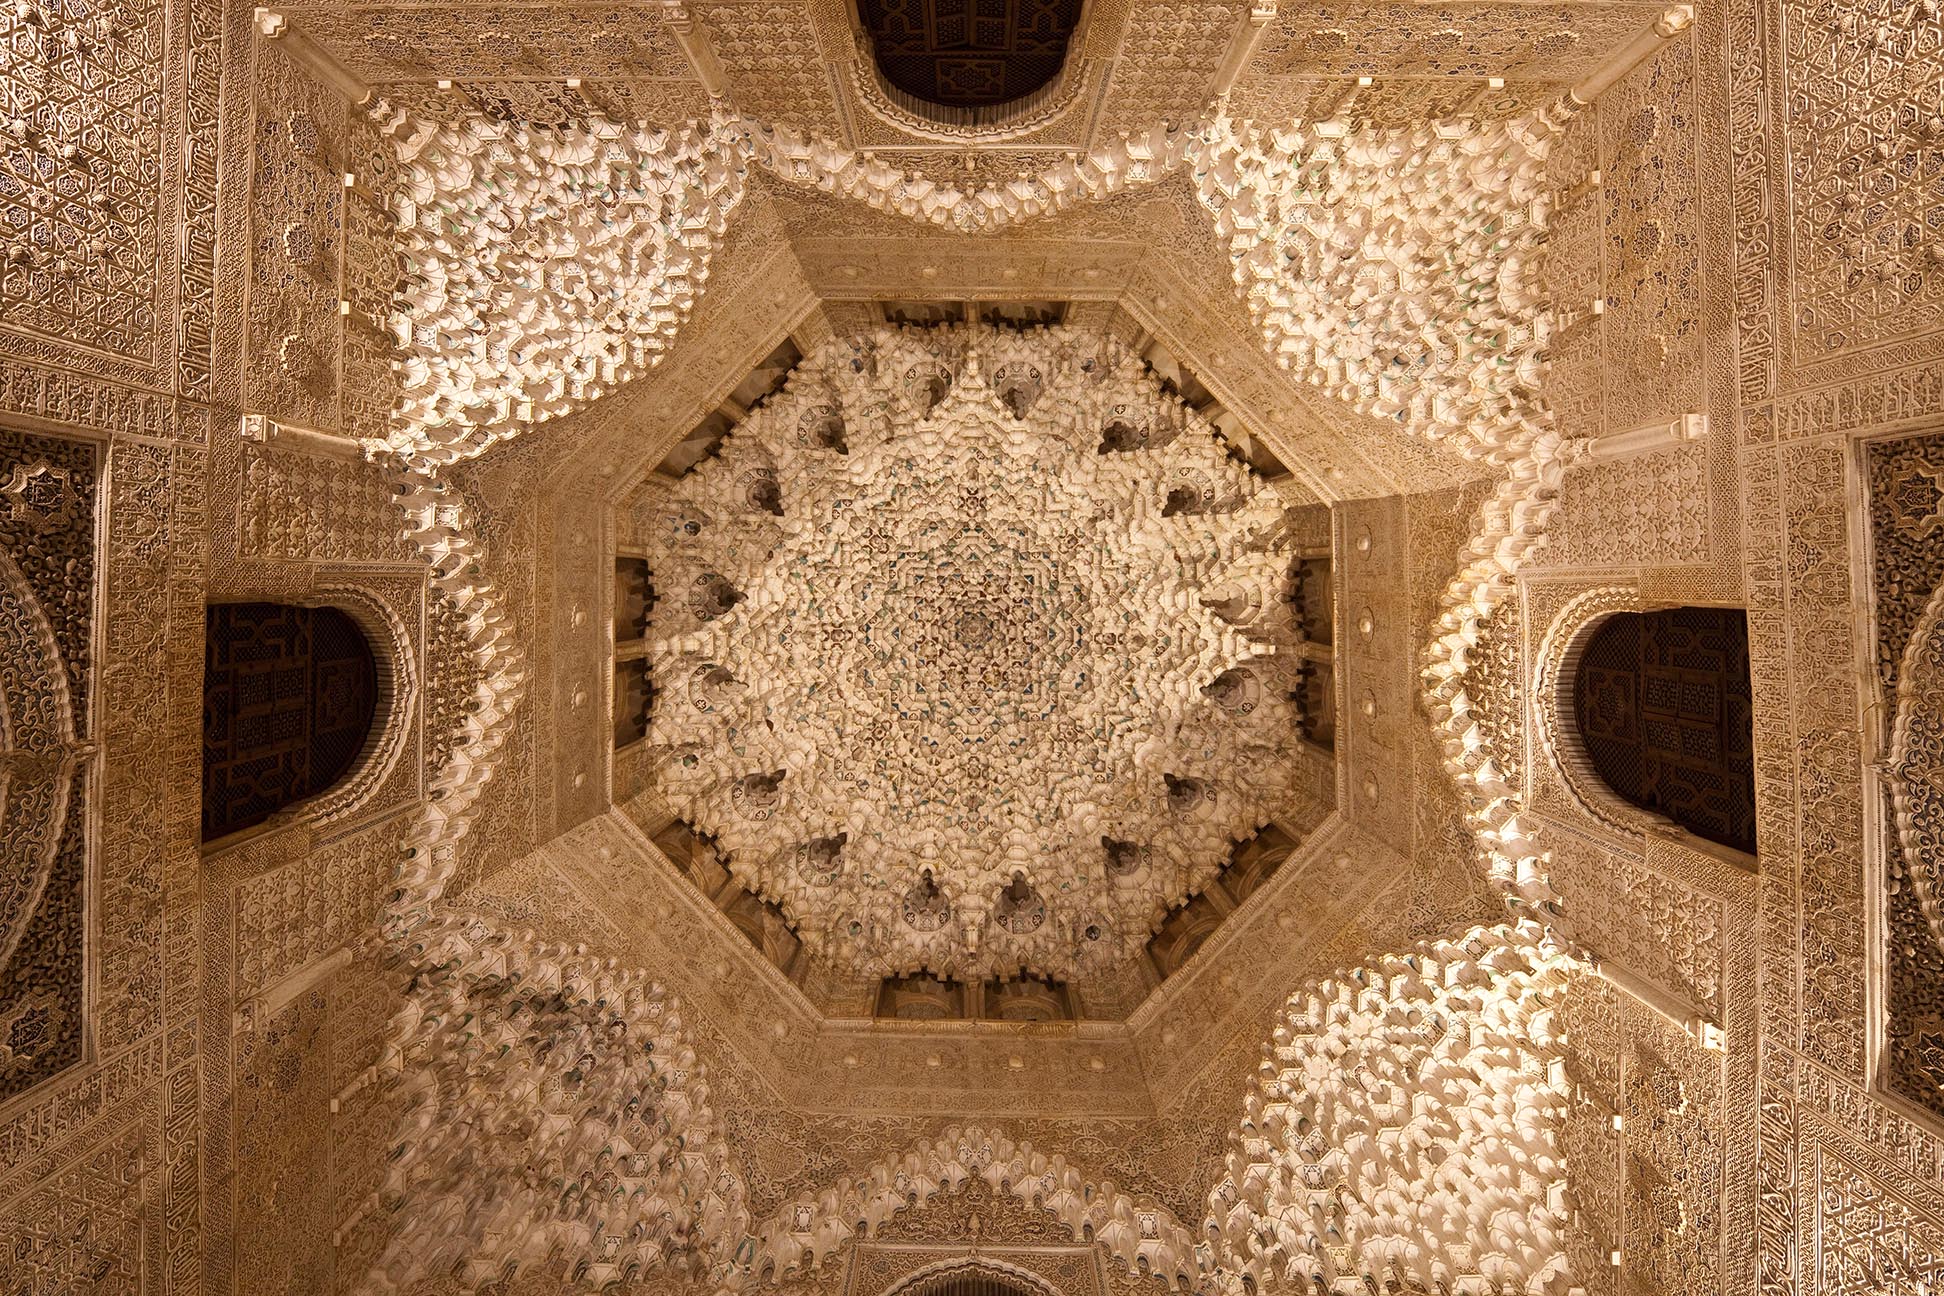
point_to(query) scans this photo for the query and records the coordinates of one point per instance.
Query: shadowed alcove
(973, 1278)
(1661, 703)
(969, 54)
(289, 698)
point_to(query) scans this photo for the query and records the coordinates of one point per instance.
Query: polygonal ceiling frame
(1291, 437)
(1190, 1014)
(1338, 881)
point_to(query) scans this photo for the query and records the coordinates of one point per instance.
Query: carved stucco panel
(1647, 510)
(1851, 1193)
(1861, 84)
(1905, 480)
(1822, 699)
(299, 507)
(1649, 161)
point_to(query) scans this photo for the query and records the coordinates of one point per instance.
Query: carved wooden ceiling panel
(969, 53)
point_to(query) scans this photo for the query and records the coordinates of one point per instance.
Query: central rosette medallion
(947, 649)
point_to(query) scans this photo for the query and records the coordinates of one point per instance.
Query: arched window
(1661, 702)
(974, 1278)
(953, 56)
(289, 697)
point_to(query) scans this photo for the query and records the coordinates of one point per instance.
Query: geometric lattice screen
(969, 53)
(1661, 700)
(288, 699)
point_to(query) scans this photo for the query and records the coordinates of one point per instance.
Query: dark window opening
(768, 377)
(922, 314)
(1315, 698)
(634, 689)
(634, 598)
(695, 854)
(289, 697)
(1026, 998)
(1252, 862)
(1023, 314)
(633, 697)
(925, 996)
(763, 925)
(973, 1280)
(1312, 601)
(1310, 581)
(705, 439)
(1663, 707)
(969, 53)
(921, 997)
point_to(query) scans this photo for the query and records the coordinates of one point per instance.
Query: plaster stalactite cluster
(1446, 346)
(1512, 523)
(1141, 1236)
(1403, 1130)
(558, 1110)
(1395, 269)
(1418, 240)
(1398, 271)
(435, 518)
(975, 650)
(544, 268)
(1144, 158)
(196, 223)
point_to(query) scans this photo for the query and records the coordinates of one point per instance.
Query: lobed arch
(39, 753)
(976, 1276)
(1141, 1235)
(400, 689)
(1915, 768)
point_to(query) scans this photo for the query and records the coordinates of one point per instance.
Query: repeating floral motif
(1653, 267)
(1649, 510)
(298, 505)
(1170, 52)
(1874, 1241)
(1822, 357)
(99, 1187)
(1906, 481)
(1357, 38)
(89, 1216)
(1658, 926)
(1448, 347)
(1865, 197)
(83, 138)
(1867, 1182)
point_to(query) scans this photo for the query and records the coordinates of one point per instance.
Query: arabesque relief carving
(482, 269)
